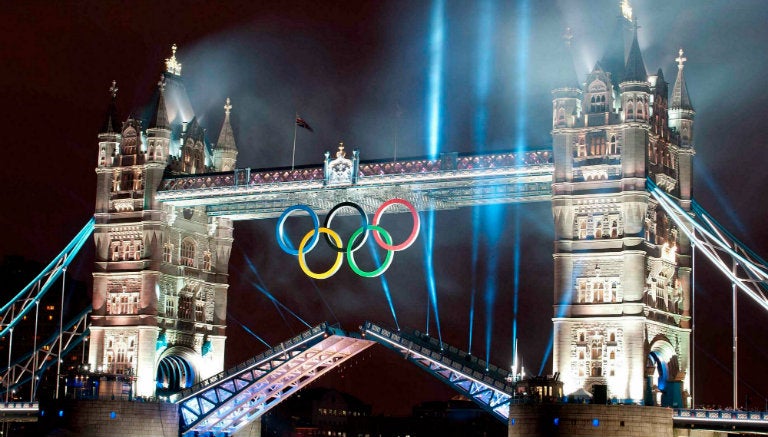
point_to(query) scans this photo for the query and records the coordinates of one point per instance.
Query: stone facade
(575, 420)
(622, 269)
(160, 280)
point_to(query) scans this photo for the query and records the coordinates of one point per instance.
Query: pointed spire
(112, 122)
(566, 74)
(171, 64)
(634, 70)
(160, 119)
(226, 137)
(680, 98)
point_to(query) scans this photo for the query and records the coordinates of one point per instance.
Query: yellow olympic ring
(339, 255)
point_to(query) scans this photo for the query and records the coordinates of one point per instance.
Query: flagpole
(293, 155)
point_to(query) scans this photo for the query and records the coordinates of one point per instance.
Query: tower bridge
(619, 179)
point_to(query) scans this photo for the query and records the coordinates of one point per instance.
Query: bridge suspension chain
(719, 246)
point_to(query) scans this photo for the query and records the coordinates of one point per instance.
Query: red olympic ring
(414, 232)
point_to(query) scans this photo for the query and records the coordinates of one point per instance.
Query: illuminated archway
(176, 371)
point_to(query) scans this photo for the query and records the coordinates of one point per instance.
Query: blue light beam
(484, 59)
(434, 114)
(384, 284)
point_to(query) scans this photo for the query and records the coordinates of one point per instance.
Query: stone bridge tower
(160, 280)
(622, 269)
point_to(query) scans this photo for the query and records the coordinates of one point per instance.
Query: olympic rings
(339, 256)
(416, 225)
(382, 237)
(279, 229)
(363, 225)
(351, 252)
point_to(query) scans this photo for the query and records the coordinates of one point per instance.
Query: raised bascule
(618, 176)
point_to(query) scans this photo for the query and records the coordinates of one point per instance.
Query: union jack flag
(301, 123)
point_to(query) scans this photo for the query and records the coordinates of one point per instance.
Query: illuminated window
(599, 292)
(185, 307)
(596, 144)
(168, 252)
(115, 251)
(613, 148)
(582, 228)
(614, 228)
(188, 252)
(127, 180)
(170, 306)
(116, 181)
(581, 149)
(582, 292)
(598, 230)
(207, 260)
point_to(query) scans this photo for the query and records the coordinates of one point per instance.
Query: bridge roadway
(227, 402)
(448, 182)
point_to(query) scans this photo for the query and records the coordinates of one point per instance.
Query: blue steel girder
(491, 389)
(234, 401)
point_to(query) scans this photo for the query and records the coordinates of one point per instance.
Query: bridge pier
(586, 420)
(105, 418)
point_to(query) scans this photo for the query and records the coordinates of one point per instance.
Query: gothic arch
(177, 368)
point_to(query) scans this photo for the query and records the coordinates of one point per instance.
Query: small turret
(681, 111)
(566, 103)
(109, 135)
(635, 88)
(225, 153)
(159, 131)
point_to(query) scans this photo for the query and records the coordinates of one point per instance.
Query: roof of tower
(566, 72)
(226, 137)
(680, 97)
(634, 70)
(613, 57)
(111, 122)
(159, 119)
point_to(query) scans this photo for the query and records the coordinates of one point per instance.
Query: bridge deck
(487, 385)
(449, 182)
(232, 399)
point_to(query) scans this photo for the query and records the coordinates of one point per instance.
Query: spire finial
(113, 89)
(568, 36)
(626, 10)
(227, 107)
(161, 84)
(171, 64)
(680, 59)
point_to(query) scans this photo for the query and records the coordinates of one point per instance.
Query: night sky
(357, 72)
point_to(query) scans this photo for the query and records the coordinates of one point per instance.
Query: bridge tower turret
(160, 281)
(621, 292)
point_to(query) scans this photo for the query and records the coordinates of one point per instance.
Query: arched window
(598, 226)
(612, 338)
(561, 117)
(613, 149)
(187, 252)
(168, 252)
(581, 337)
(614, 228)
(630, 111)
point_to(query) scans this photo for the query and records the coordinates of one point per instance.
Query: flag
(301, 123)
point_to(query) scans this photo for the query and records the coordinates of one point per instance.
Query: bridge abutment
(585, 420)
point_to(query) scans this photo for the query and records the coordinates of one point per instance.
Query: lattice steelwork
(228, 401)
(450, 182)
(736, 261)
(725, 420)
(35, 363)
(487, 385)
